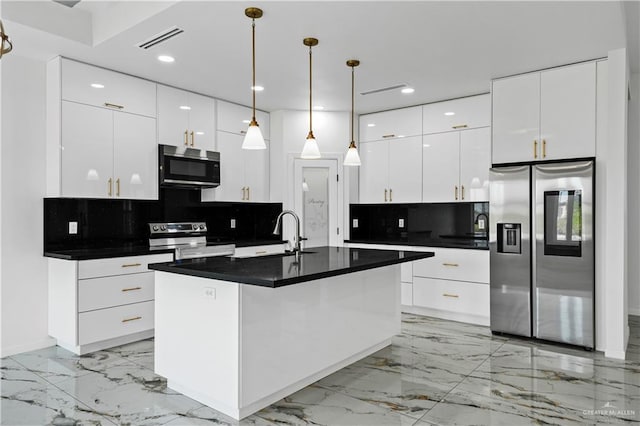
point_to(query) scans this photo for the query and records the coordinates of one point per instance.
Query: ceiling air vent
(68, 3)
(383, 89)
(160, 38)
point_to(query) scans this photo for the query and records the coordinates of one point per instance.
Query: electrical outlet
(73, 228)
(233, 224)
(210, 292)
(481, 223)
(400, 223)
(355, 223)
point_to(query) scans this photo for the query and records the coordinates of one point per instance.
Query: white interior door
(316, 201)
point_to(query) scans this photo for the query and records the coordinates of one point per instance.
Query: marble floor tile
(140, 352)
(27, 399)
(205, 416)
(130, 395)
(56, 364)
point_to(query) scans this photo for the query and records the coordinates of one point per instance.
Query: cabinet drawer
(391, 124)
(259, 250)
(119, 265)
(97, 86)
(453, 296)
(455, 264)
(106, 292)
(109, 323)
(234, 118)
(468, 113)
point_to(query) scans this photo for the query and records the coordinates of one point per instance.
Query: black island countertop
(278, 270)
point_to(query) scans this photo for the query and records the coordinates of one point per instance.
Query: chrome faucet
(276, 230)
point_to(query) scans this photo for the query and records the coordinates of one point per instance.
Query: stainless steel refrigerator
(541, 243)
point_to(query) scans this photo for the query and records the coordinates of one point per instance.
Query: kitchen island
(238, 334)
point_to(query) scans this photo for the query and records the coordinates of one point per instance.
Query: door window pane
(563, 223)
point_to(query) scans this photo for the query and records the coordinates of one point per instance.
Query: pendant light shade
(253, 139)
(310, 150)
(6, 45)
(352, 158)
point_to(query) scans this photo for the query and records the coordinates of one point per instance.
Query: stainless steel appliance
(189, 239)
(188, 167)
(542, 251)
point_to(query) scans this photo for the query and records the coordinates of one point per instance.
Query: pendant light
(253, 139)
(6, 46)
(310, 149)
(352, 158)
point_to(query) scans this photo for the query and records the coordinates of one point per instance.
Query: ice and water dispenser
(509, 238)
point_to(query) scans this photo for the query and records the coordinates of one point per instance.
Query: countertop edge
(395, 243)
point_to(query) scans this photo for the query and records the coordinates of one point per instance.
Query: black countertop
(279, 270)
(135, 249)
(469, 243)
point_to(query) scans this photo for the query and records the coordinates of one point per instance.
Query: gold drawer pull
(132, 289)
(107, 104)
(131, 265)
(450, 264)
(388, 136)
(131, 319)
(261, 252)
(460, 126)
(455, 296)
(535, 148)
(544, 148)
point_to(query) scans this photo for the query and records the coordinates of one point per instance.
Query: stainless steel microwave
(184, 167)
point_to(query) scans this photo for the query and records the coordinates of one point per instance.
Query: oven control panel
(173, 228)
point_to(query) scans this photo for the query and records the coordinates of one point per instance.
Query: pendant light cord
(352, 100)
(310, 94)
(253, 58)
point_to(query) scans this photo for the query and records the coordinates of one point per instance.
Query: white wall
(633, 160)
(24, 269)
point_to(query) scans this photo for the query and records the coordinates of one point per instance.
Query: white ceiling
(442, 49)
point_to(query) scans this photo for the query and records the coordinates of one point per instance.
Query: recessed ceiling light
(246, 121)
(166, 58)
(97, 85)
(408, 90)
(199, 133)
(318, 107)
(257, 88)
(450, 113)
(371, 125)
(185, 107)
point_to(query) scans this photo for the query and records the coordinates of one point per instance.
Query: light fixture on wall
(6, 46)
(310, 149)
(352, 158)
(253, 139)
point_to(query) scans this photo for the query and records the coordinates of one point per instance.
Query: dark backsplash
(105, 223)
(425, 224)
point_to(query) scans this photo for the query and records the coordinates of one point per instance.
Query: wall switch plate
(355, 223)
(210, 292)
(233, 224)
(481, 224)
(400, 223)
(73, 228)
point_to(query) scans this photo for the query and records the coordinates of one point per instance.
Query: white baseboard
(447, 315)
(27, 347)
(615, 354)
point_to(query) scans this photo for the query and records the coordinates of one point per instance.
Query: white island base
(239, 348)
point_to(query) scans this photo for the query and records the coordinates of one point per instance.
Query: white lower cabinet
(97, 304)
(450, 297)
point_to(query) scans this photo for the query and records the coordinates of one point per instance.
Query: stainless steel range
(189, 239)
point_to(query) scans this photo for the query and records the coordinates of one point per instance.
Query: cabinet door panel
(516, 118)
(568, 112)
(86, 151)
(391, 124)
(475, 161)
(256, 173)
(135, 164)
(234, 118)
(173, 121)
(471, 112)
(441, 166)
(202, 123)
(405, 170)
(374, 171)
(231, 168)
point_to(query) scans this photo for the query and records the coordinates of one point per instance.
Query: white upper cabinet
(96, 86)
(475, 161)
(396, 123)
(457, 114)
(441, 167)
(545, 115)
(391, 171)
(186, 118)
(233, 118)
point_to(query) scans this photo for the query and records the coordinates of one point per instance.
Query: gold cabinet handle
(131, 319)
(242, 132)
(132, 289)
(544, 148)
(450, 264)
(109, 105)
(131, 265)
(261, 252)
(243, 193)
(455, 296)
(462, 191)
(455, 192)
(390, 194)
(193, 139)
(535, 148)
(388, 136)
(110, 186)
(385, 195)
(118, 187)
(186, 137)
(459, 126)
(248, 193)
